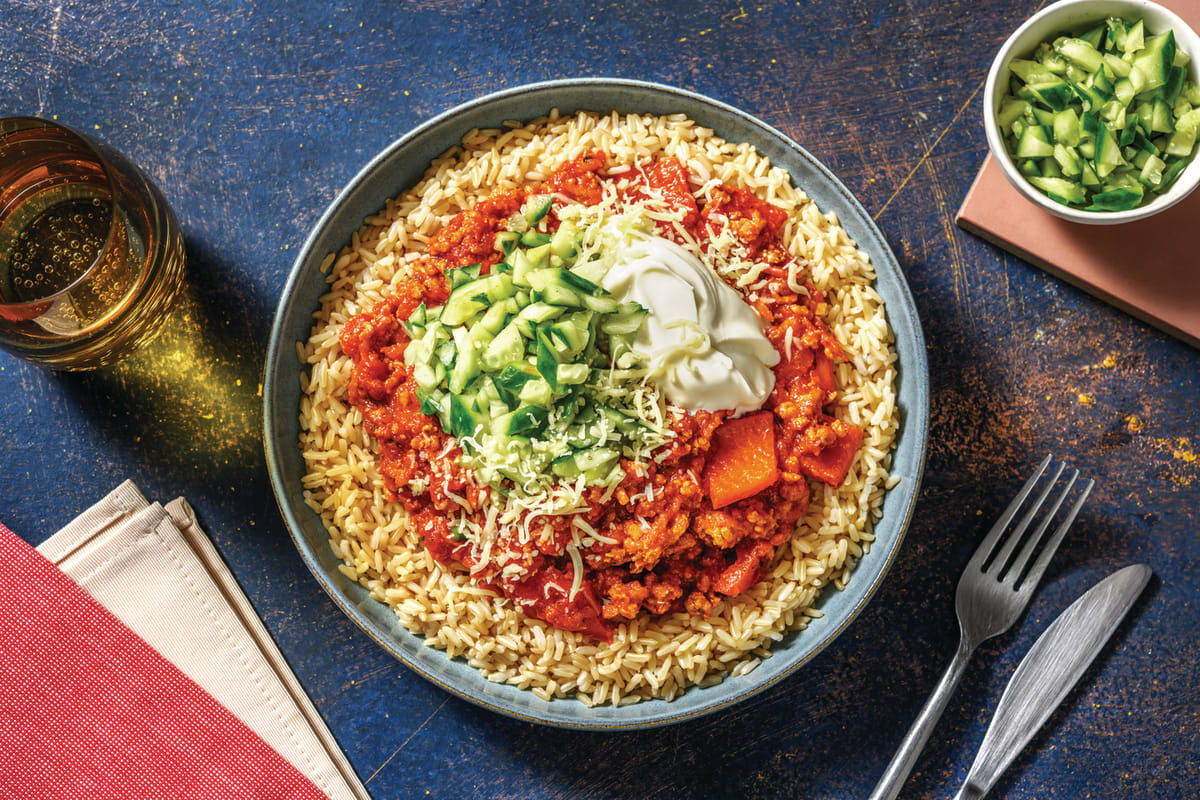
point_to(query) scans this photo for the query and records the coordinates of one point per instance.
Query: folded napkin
(138, 669)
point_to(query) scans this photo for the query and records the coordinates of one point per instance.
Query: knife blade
(1049, 671)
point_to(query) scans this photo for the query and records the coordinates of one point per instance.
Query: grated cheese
(508, 527)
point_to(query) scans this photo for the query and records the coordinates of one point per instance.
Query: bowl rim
(1026, 36)
(903, 497)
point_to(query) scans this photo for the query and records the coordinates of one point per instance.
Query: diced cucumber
(461, 275)
(1064, 191)
(497, 315)
(537, 208)
(428, 376)
(1117, 65)
(1094, 36)
(1120, 132)
(1124, 90)
(1031, 71)
(625, 322)
(572, 374)
(1108, 152)
(1080, 52)
(594, 461)
(1154, 61)
(463, 420)
(546, 359)
(537, 392)
(559, 295)
(1068, 160)
(419, 316)
(1042, 116)
(506, 363)
(535, 239)
(472, 297)
(1010, 110)
(1183, 140)
(1174, 167)
(1055, 94)
(1066, 127)
(1091, 98)
(511, 380)
(1116, 200)
(600, 304)
(617, 420)
(563, 243)
(593, 270)
(507, 348)
(571, 332)
(506, 241)
(534, 314)
(446, 352)
(519, 261)
(539, 253)
(1034, 143)
(1174, 86)
(1152, 171)
(1135, 37)
(465, 368)
(527, 421)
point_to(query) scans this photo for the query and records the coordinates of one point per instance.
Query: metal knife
(1049, 671)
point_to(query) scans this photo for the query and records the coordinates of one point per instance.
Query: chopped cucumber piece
(1116, 199)
(1080, 52)
(538, 207)
(506, 241)
(460, 275)
(568, 374)
(595, 461)
(1060, 189)
(535, 239)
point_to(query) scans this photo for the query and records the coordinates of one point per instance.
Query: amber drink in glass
(91, 257)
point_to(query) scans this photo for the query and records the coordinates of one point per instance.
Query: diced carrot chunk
(831, 464)
(752, 555)
(740, 575)
(741, 462)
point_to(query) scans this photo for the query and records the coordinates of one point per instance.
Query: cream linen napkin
(156, 571)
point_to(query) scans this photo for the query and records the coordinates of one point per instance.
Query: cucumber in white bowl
(1092, 110)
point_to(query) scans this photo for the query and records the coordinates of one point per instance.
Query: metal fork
(993, 591)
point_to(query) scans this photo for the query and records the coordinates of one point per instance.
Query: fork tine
(1039, 566)
(989, 542)
(999, 563)
(1015, 569)
(1001, 559)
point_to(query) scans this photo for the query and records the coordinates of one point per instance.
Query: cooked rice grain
(648, 657)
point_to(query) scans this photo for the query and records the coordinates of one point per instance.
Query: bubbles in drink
(57, 246)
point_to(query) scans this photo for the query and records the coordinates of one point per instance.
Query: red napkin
(89, 710)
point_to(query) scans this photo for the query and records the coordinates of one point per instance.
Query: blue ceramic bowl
(398, 168)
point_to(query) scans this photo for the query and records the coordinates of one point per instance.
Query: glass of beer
(91, 257)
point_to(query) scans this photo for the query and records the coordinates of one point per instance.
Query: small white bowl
(1043, 26)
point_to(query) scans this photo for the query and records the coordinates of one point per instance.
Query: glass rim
(23, 123)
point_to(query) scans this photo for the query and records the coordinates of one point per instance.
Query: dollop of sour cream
(705, 345)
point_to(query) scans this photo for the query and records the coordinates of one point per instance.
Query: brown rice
(650, 656)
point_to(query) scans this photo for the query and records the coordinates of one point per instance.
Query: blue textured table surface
(251, 116)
